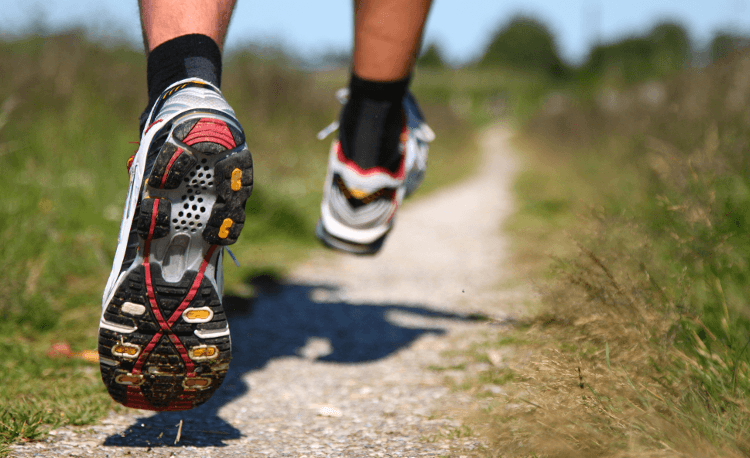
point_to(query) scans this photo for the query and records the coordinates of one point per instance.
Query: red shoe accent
(210, 130)
(136, 400)
(151, 125)
(398, 174)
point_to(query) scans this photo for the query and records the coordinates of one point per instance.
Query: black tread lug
(219, 214)
(161, 228)
(237, 134)
(212, 325)
(223, 172)
(118, 318)
(208, 148)
(181, 166)
(117, 391)
(183, 129)
(230, 203)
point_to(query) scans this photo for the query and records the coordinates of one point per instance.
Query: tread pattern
(164, 345)
(163, 372)
(159, 218)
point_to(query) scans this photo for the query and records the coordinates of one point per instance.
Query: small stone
(496, 358)
(328, 411)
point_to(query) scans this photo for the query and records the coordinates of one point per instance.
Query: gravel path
(335, 362)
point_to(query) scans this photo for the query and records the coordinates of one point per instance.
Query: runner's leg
(163, 20)
(183, 39)
(387, 37)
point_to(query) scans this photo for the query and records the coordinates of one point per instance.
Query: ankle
(372, 122)
(187, 56)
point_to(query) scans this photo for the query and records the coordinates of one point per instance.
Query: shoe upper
(359, 205)
(416, 147)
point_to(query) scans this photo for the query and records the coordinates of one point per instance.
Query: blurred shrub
(725, 43)
(524, 44)
(432, 57)
(664, 50)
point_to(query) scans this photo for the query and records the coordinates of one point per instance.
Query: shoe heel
(232, 176)
(208, 135)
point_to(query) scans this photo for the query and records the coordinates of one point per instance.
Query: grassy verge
(68, 112)
(635, 211)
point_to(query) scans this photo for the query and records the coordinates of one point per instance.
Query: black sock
(372, 121)
(183, 57)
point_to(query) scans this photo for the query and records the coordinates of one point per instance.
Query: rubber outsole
(165, 344)
(331, 241)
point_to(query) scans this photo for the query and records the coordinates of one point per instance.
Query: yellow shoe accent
(358, 193)
(224, 229)
(126, 350)
(236, 179)
(197, 315)
(203, 352)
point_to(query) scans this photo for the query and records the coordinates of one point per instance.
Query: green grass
(68, 112)
(40, 393)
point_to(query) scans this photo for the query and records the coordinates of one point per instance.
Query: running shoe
(163, 335)
(359, 205)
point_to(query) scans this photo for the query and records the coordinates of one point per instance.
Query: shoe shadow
(282, 321)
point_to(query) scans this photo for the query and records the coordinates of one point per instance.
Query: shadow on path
(280, 322)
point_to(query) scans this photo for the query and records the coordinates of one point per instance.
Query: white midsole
(342, 231)
(116, 327)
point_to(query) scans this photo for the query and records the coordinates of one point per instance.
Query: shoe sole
(361, 249)
(164, 341)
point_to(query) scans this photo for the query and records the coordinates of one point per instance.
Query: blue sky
(461, 27)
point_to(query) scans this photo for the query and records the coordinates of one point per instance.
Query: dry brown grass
(641, 348)
(594, 376)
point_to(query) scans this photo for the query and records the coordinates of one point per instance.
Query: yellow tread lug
(236, 179)
(224, 229)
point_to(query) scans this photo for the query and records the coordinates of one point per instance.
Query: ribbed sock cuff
(378, 90)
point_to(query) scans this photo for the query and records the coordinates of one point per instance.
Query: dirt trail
(335, 362)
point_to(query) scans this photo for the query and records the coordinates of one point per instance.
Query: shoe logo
(358, 198)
